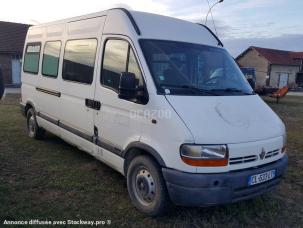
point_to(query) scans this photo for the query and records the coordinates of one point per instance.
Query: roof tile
(279, 57)
(12, 37)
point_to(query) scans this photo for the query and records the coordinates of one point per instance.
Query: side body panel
(73, 112)
(30, 81)
(48, 88)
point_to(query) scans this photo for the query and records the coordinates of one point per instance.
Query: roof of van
(147, 26)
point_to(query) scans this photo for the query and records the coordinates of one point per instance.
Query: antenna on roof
(209, 11)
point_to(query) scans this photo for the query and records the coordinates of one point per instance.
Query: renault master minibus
(159, 100)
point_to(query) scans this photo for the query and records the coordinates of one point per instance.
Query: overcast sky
(240, 23)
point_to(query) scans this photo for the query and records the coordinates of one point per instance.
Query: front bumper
(189, 189)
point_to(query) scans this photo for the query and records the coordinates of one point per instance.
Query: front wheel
(33, 130)
(146, 186)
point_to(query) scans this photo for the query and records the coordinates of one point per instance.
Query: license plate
(261, 177)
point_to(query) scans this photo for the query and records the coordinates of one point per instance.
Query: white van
(159, 100)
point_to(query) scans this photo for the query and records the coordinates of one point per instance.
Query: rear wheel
(146, 186)
(33, 130)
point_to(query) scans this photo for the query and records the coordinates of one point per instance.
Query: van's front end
(221, 143)
(237, 150)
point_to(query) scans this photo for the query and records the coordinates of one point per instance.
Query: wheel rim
(31, 126)
(144, 186)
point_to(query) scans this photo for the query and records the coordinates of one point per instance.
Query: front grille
(272, 153)
(241, 160)
(252, 158)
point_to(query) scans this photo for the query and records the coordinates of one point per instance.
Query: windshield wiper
(194, 89)
(232, 90)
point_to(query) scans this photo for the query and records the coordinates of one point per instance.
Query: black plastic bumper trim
(81, 134)
(193, 189)
(109, 147)
(47, 118)
(50, 92)
(76, 132)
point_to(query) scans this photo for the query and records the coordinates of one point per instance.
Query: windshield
(193, 69)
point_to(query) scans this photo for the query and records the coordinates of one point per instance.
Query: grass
(51, 180)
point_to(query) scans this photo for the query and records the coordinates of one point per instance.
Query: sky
(239, 23)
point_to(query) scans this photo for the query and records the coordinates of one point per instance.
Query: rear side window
(31, 58)
(79, 60)
(51, 56)
(118, 57)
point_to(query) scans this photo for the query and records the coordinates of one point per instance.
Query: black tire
(33, 130)
(146, 186)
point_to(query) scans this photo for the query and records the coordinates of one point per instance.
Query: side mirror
(127, 86)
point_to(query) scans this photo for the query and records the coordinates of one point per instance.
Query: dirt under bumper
(189, 189)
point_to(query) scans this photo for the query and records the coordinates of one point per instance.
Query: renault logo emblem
(262, 154)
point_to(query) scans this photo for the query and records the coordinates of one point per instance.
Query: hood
(227, 119)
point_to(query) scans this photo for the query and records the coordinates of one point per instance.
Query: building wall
(6, 66)
(276, 70)
(253, 59)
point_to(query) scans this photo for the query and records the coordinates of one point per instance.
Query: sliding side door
(78, 82)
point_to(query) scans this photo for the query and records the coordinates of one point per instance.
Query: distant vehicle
(250, 75)
(1, 84)
(159, 100)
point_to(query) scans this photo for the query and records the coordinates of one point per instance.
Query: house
(12, 38)
(275, 68)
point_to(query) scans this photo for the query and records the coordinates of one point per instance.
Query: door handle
(92, 104)
(89, 103)
(97, 105)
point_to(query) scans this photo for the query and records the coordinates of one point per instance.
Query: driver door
(115, 124)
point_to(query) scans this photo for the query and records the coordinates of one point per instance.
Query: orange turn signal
(205, 162)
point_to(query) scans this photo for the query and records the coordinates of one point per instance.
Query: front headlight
(204, 155)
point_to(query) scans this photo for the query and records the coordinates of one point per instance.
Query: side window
(118, 57)
(133, 67)
(114, 63)
(31, 58)
(50, 62)
(79, 60)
